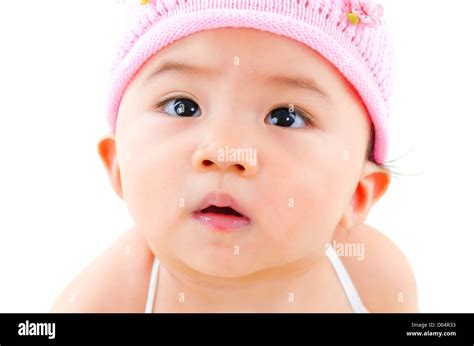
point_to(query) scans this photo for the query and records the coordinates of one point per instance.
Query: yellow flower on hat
(365, 12)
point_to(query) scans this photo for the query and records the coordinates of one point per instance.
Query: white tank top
(344, 278)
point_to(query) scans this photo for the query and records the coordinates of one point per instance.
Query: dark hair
(388, 166)
(385, 167)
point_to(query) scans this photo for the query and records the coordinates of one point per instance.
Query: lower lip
(222, 222)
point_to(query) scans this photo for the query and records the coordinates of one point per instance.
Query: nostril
(207, 162)
(240, 167)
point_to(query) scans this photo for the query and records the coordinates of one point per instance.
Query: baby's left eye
(287, 117)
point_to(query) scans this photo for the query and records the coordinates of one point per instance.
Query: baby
(248, 141)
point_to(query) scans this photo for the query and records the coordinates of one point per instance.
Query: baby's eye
(286, 117)
(180, 107)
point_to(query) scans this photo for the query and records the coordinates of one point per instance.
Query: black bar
(291, 329)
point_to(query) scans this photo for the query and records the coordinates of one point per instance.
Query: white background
(58, 210)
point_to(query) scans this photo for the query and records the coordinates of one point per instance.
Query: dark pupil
(185, 107)
(282, 117)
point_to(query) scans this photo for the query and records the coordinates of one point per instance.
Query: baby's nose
(240, 160)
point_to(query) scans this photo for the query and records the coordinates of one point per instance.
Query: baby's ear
(371, 187)
(108, 155)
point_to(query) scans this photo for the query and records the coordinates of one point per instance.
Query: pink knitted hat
(351, 34)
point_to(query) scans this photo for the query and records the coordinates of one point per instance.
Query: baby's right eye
(180, 107)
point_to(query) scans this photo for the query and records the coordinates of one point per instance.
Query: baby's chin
(219, 262)
(248, 266)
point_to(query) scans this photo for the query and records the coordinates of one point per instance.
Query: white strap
(152, 286)
(346, 282)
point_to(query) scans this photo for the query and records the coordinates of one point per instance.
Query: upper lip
(221, 200)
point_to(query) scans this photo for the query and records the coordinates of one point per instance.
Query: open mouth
(221, 210)
(221, 218)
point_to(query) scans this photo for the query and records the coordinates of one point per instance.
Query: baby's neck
(312, 287)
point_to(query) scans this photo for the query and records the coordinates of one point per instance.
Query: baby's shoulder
(381, 273)
(115, 281)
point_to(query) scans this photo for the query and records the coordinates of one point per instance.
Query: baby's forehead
(251, 46)
(250, 53)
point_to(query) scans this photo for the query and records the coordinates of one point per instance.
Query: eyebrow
(297, 82)
(175, 66)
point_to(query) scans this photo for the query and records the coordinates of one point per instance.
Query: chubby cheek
(153, 179)
(304, 196)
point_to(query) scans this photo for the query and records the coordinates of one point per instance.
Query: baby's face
(305, 150)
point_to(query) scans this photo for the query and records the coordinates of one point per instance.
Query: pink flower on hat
(365, 12)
